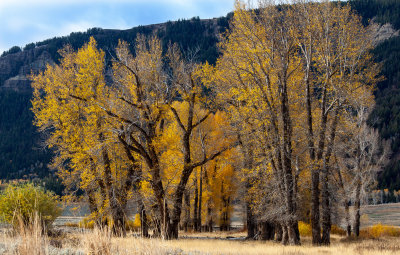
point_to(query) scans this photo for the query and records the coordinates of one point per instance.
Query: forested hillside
(386, 115)
(22, 149)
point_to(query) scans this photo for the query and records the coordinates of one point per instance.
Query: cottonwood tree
(65, 104)
(360, 155)
(146, 93)
(337, 66)
(117, 129)
(290, 74)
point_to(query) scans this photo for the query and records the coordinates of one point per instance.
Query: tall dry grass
(32, 241)
(32, 238)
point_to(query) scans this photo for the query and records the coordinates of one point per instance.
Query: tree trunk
(326, 209)
(187, 211)
(285, 235)
(278, 233)
(315, 224)
(292, 232)
(200, 199)
(250, 222)
(326, 213)
(347, 216)
(357, 205)
(289, 232)
(345, 203)
(144, 228)
(266, 231)
(195, 205)
(117, 212)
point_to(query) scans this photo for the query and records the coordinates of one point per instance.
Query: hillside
(23, 154)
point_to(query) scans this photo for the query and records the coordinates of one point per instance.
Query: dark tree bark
(326, 209)
(250, 222)
(196, 206)
(278, 232)
(187, 211)
(200, 199)
(357, 205)
(266, 230)
(144, 227)
(285, 235)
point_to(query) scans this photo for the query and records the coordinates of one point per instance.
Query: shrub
(304, 229)
(336, 230)
(21, 204)
(380, 230)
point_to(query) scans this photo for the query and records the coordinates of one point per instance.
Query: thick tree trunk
(266, 231)
(187, 211)
(117, 212)
(290, 236)
(285, 235)
(292, 230)
(326, 209)
(315, 224)
(326, 214)
(91, 201)
(315, 203)
(250, 222)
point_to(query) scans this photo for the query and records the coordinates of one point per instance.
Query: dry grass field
(379, 239)
(384, 213)
(98, 242)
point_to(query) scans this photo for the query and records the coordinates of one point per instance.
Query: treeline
(23, 152)
(381, 11)
(280, 120)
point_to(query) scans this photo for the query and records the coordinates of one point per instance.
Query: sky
(26, 21)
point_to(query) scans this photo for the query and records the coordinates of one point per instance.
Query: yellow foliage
(304, 229)
(380, 230)
(136, 223)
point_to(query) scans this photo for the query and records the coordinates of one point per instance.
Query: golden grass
(100, 242)
(366, 247)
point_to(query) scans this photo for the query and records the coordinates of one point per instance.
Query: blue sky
(25, 21)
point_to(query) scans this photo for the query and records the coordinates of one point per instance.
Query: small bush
(380, 230)
(304, 229)
(336, 230)
(21, 204)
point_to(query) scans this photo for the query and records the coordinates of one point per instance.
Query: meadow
(101, 242)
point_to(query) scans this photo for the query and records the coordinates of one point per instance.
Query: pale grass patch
(98, 242)
(32, 238)
(26, 239)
